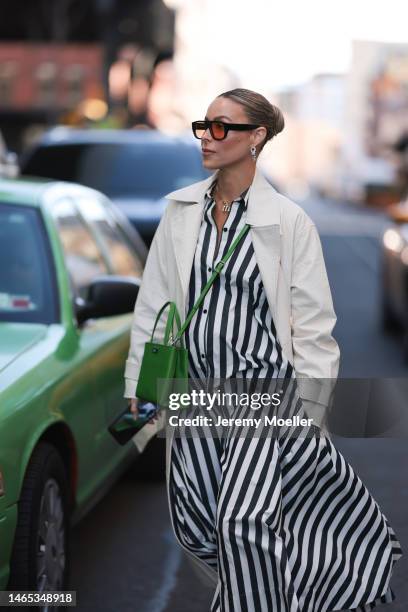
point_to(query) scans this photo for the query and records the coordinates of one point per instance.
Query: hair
(258, 110)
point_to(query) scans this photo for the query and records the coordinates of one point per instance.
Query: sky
(293, 39)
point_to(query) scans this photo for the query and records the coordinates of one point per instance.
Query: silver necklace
(226, 206)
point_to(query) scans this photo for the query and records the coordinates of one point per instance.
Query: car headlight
(392, 240)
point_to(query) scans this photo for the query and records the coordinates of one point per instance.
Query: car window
(123, 258)
(83, 257)
(121, 170)
(27, 276)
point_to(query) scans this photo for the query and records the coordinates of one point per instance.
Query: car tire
(42, 525)
(151, 464)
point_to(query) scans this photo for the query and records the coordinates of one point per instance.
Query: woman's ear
(260, 135)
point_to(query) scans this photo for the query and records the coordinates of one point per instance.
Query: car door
(84, 407)
(122, 259)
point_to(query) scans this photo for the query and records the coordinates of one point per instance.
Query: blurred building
(56, 59)
(376, 116)
(310, 154)
(343, 132)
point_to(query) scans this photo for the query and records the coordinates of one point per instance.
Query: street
(109, 111)
(124, 554)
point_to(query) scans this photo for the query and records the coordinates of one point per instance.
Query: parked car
(71, 266)
(134, 168)
(394, 286)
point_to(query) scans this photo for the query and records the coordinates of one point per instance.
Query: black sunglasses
(218, 129)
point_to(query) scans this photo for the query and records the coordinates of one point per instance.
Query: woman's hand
(134, 409)
(134, 406)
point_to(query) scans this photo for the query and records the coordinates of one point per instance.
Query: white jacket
(290, 259)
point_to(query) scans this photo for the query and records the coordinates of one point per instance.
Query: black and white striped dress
(284, 521)
(233, 333)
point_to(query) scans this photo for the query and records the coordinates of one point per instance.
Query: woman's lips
(207, 152)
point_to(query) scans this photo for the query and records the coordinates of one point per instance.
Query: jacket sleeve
(316, 353)
(153, 293)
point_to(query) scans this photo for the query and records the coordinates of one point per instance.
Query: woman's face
(235, 148)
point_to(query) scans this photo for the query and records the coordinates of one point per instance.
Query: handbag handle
(202, 295)
(173, 313)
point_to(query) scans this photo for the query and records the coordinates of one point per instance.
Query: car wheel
(151, 464)
(40, 558)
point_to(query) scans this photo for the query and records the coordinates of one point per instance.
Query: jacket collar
(264, 202)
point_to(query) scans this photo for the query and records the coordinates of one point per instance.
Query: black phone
(125, 426)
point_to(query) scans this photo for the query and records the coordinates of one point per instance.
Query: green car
(70, 269)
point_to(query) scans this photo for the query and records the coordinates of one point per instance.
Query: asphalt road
(124, 554)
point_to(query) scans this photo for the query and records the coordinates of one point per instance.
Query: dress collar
(242, 199)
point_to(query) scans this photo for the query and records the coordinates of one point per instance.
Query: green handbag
(164, 367)
(162, 363)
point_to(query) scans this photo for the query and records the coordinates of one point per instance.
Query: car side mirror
(108, 296)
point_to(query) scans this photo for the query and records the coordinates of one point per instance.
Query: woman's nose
(206, 135)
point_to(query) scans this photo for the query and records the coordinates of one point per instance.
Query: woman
(274, 522)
